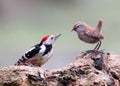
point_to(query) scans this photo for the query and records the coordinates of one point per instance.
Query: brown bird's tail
(98, 29)
(99, 26)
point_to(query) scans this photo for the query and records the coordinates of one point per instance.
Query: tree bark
(91, 68)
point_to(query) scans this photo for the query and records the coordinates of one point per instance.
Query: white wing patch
(30, 49)
(42, 50)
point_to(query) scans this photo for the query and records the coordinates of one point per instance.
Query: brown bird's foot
(92, 51)
(102, 50)
(89, 51)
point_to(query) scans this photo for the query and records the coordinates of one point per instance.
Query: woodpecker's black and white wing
(37, 49)
(32, 52)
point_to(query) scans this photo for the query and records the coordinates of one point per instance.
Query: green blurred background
(24, 22)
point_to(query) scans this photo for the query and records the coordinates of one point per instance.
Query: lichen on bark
(89, 69)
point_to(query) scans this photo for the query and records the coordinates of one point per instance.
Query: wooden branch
(89, 69)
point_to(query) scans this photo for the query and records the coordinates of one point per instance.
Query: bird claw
(93, 51)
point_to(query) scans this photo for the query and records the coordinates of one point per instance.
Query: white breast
(40, 58)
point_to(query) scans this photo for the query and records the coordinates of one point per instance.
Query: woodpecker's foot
(29, 64)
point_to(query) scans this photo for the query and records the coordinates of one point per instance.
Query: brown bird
(89, 34)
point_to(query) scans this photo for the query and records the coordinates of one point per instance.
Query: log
(91, 68)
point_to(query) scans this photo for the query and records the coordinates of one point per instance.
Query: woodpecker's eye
(51, 38)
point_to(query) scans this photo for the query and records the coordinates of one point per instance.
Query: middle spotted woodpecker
(40, 53)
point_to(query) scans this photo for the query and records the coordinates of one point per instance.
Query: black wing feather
(33, 52)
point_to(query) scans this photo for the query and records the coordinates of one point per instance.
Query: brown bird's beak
(73, 29)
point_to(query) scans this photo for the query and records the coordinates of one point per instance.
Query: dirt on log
(89, 69)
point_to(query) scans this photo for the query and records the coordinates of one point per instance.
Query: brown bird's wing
(89, 31)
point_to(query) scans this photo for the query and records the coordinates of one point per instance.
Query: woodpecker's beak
(57, 36)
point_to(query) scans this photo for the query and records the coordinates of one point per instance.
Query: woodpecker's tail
(21, 61)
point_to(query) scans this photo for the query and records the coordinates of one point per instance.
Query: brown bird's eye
(77, 26)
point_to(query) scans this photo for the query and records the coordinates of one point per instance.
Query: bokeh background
(24, 22)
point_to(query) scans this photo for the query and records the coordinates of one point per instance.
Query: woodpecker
(40, 53)
(89, 34)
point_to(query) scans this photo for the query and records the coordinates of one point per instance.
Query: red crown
(45, 38)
